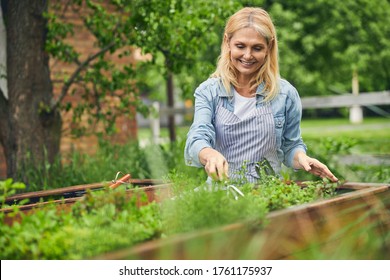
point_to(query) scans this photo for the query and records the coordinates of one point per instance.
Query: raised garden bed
(329, 228)
(358, 215)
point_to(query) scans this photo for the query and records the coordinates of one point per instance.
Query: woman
(245, 113)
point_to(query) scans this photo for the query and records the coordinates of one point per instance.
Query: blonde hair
(259, 20)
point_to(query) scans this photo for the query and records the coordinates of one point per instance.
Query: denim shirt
(286, 109)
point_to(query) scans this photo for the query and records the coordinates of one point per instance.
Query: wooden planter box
(361, 208)
(326, 226)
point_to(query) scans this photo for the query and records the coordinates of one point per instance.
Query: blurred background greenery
(331, 141)
(322, 45)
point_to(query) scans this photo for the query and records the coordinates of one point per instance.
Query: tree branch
(75, 74)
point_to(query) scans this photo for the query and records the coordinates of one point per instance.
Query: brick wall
(83, 41)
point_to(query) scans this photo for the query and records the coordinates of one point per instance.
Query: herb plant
(107, 220)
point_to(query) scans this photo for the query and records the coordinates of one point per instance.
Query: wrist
(298, 159)
(205, 154)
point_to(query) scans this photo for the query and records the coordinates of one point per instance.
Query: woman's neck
(244, 89)
(244, 86)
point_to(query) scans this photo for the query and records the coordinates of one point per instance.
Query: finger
(221, 169)
(305, 165)
(226, 169)
(331, 176)
(211, 169)
(324, 172)
(327, 174)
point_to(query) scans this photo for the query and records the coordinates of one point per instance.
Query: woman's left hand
(314, 166)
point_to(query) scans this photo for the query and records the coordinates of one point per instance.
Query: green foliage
(379, 174)
(292, 194)
(101, 222)
(9, 188)
(78, 168)
(326, 150)
(106, 220)
(323, 42)
(334, 146)
(183, 38)
(55, 43)
(175, 31)
(106, 87)
(329, 140)
(75, 168)
(173, 152)
(198, 205)
(158, 161)
(174, 28)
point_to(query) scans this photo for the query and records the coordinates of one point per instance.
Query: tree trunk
(30, 134)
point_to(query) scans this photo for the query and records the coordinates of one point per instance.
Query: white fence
(352, 101)
(346, 100)
(317, 102)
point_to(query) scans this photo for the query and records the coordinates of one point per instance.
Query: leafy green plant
(106, 220)
(77, 168)
(197, 204)
(101, 222)
(364, 173)
(9, 188)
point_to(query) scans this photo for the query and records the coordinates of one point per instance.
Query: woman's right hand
(215, 164)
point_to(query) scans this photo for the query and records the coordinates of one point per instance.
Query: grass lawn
(331, 139)
(371, 137)
(342, 127)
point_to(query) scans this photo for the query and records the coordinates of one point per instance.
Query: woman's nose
(247, 54)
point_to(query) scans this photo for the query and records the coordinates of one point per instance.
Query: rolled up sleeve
(292, 140)
(202, 132)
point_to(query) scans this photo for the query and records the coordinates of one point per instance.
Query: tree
(28, 130)
(179, 31)
(323, 42)
(31, 116)
(30, 119)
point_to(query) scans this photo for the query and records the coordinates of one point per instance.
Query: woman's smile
(247, 63)
(248, 50)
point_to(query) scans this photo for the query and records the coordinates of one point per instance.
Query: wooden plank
(316, 102)
(77, 188)
(346, 100)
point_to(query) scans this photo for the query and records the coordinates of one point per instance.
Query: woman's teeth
(246, 62)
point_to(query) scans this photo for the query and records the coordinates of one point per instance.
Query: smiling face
(248, 51)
